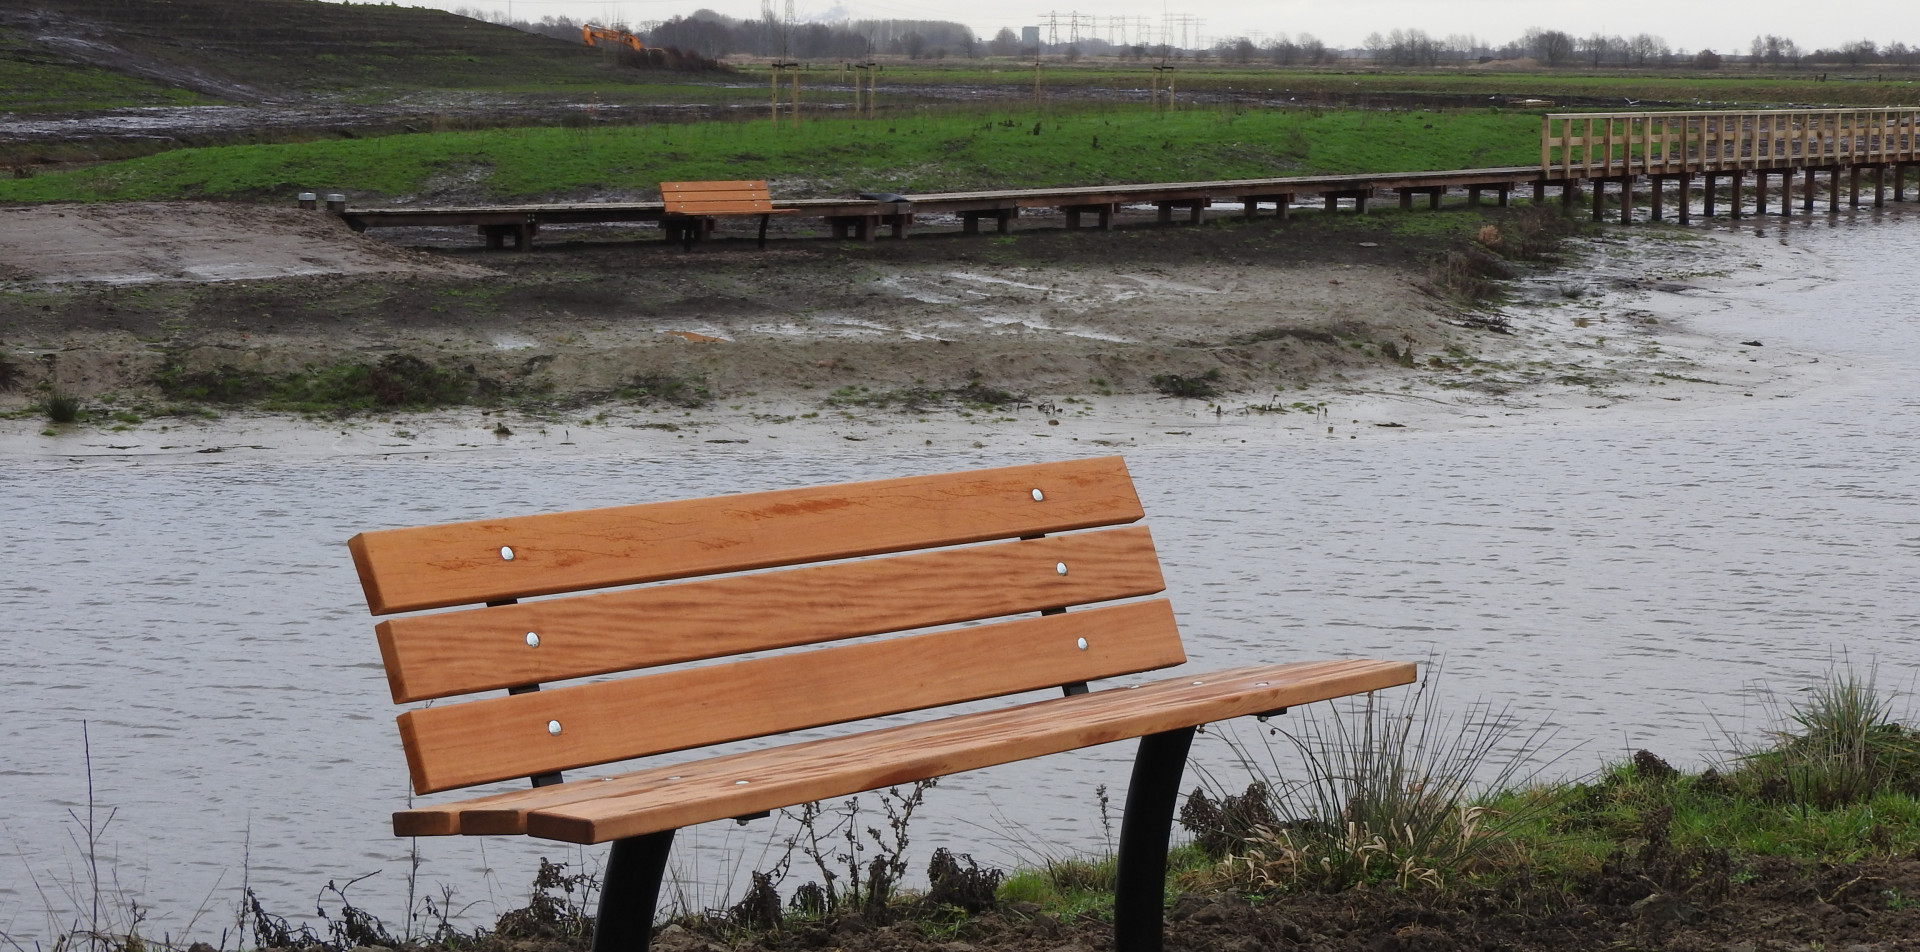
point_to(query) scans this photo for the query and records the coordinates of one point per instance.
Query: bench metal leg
(1140, 889)
(630, 891)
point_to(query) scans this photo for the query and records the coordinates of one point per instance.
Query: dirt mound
(193, 241)
(243, 50)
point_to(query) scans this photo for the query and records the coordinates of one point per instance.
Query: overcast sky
(1689, 24)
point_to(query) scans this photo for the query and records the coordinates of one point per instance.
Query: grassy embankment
(930, 152)
(1389, 814)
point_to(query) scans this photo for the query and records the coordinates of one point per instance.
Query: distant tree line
(1557, 48)
(705, 33)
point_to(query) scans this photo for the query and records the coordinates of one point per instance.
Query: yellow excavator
(590, 34)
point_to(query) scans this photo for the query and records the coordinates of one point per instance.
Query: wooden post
(1809, 190)
(1626, 200)
(1406, 199)
(1539, 191)
(1599, 198)
(1853, 180)
(1733, 200)
(1166, 212)
(1880, 186)
(1706, 195)
(1657, 208)
(1473, 196)
(796, 96)
(1759, 192)
(1281, 204)
(1899, 182)
(1333, 202)
(1833, 189)
(1504, 191)
(1193, 215)
(1003, 222)
(1686, 198)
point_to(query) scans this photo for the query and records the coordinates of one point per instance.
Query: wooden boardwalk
(1579, 152)
(1673, 148)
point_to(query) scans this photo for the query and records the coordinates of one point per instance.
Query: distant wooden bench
(691, 208)
(960, 547)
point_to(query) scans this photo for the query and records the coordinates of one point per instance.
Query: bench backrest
(716, 198)
(750, 573)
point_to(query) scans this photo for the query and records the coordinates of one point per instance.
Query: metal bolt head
(553, 727)
(506, 553)
(1039, 496)
(1060, 567)
(1083, 644)
(533, 640)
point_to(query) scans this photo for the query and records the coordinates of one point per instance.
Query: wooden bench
(789, 571)
(691, 208)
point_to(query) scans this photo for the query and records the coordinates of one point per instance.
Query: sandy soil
(900, 343)
(192, 241)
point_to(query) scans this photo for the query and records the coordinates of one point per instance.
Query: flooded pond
(1622, 580)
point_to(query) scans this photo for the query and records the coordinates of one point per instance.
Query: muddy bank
(1136, 332)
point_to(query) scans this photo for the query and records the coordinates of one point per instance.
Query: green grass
(1388, 796)
(30, 87)
(830, 157)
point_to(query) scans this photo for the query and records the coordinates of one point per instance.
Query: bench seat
(597, 810)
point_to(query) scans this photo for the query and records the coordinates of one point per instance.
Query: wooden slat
(430, 656)
(718, 195)
(681, 188)
(461, 563)
(726, 207)
(668, 797)
(500, 738)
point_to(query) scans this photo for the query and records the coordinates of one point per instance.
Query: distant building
(1030, 36)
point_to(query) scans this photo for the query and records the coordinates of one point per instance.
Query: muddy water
(1622, 580)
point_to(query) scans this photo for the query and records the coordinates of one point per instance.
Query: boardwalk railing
(1605, 145)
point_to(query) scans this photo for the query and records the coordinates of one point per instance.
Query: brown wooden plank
(718, 195)
(431, 656)
(463, 563)
(729, 186)
(728, 207)
(672, 796)
(504, 737)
